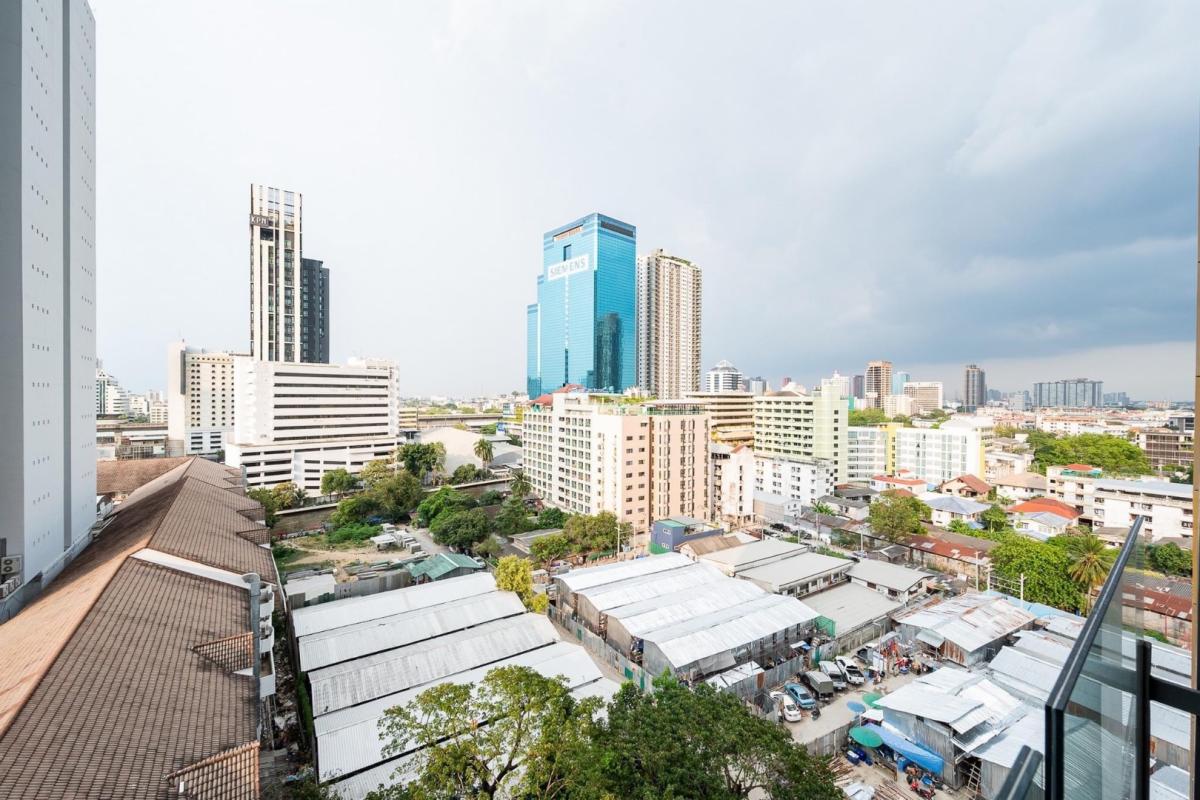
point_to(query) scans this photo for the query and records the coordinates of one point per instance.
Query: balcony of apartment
(1119, 717)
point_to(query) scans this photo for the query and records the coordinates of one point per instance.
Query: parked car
(820, 684)
(791, 711)
(801, 695)
(835, 674)
(854, 675)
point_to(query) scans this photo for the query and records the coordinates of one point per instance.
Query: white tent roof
(314, 619)
(680, 606)
(611, 596)
(800, 568)
(887, 574)
(578, 580)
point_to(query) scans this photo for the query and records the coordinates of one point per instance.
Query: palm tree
(519, 485)
(483, 451)
(822, 510)
(1091, 559)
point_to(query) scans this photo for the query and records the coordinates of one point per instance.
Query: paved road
(836, 714)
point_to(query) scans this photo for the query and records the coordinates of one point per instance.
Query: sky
(940, 183)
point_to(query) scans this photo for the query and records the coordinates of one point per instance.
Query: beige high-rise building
(878, 382)
(642, 461)
(275, 247)
(792, 424)
(928, 395)
(200, 398)
(668, 323)
(730, 415)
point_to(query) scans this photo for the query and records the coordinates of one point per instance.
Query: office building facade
(730, 415)
(805, 480)
(898, 380)
(668, 325)
(48, 290)
(200, 399)
(877, 383)
(314, 311)
(928, 395)
(974, 388)
(1073, 393)
(724, 377)
(587, 452)
(583, 328)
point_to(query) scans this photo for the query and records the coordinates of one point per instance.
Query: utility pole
(1022, 587)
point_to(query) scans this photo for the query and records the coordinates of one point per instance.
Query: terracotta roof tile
(1045, 504)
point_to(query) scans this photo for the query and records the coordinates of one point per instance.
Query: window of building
(566, 252)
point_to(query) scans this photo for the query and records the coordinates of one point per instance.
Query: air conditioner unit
(10, 565)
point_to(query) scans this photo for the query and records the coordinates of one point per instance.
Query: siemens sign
(564, 268)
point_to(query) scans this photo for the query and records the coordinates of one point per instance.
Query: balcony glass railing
(1116, 722)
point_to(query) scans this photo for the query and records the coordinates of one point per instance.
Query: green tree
(1112, 454)
(515, 574)
(398, 494)
(867, 416)
(690, 743)
(596, 532)
(513, 518)
(489, 548)
(355, 509)
(545, 549)
(337, 482)
(515, 734)
(551, 517)
(488, 430)
(287, 495)
(444, 500)
(270, 504)
(994, 519)
(824, 509)
(460, 529)
(464, 473)
(895, 517)
(375, 471)
(1044, 566)
(519, 485)
(1091, 559)
(422, 459)
(1170, 558)
(960, 526)
(491, 497)
(483, 451)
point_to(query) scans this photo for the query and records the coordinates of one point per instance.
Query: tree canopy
(1112, 454)
(867, 416)
(1044, 565)
(375, 471)
(515, 574)
(896, 517)
(460, 529)
(444, 500)
(337, 482)
(1169, 558)
(270, 504)
(422, 459)
(519, 485)
(513, 518)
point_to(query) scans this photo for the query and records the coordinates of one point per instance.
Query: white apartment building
(668, 325)
(111, 398)
(200, 398)
(868, 452)
(791, 424)
(836, 385)
(730, 415)
(899, 405)
(642, 461)
(934, 455)
(731, 482)
(803, 479)
(305, 463)
(928, 395)
(47, 291)
(724, 377)
(1114, 503)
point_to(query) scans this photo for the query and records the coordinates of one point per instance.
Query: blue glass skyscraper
(581, 329)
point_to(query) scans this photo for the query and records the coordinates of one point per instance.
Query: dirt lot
(315, 553)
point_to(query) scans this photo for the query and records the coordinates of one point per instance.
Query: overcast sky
(933, 183)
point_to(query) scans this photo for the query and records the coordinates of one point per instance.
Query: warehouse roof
(747, 555)
(610, 596)
(887, 574)
(440, 564)
(800, 568)
(970, 621)
(326, 616)
(351, 682)
(579, 580)
(685, 604)
(850, 606)
(397, 630)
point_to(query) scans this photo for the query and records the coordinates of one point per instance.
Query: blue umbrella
(856, 706)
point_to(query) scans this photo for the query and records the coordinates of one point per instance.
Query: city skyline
(979, 191)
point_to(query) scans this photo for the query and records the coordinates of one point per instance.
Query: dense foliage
(390, 497)
(338, 481)
(353, 533)
(466, 473)
(1114, 455)
(422, 459)
(515, 574)
(443, 501)
(1169, 558)
(539, 742)
(1045, 568)
(896, 517)
(460, 529)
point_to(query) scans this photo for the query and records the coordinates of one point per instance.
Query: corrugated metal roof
(609, 597)
(947, 679)
(850, 605)
(312, 586)
(348, 739)
(323, 617)
(1003, 749)
(970, 621)
(367, 678)
(754, 551)
(927, 702)
(953, 505)
(1045, 646)
(669, 609)
(386, 633)
(799, 568)
(729, 629)
(580, 579)
(887, 574)
(1024, 673)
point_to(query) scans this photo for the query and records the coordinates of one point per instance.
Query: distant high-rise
(583, 328)
(877, 383)
(926, 394)
(758, 385)
(898, 380)
(974, 388)
(858, 386)
(1072, 393)
(47, 289)
(276, 231)
(724, 377)
(668, 325)
(314, 311)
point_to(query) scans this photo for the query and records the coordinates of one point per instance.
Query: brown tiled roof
(203, 525)
(128, 702)
(122, 477)
(971, 482)
(1045, 504)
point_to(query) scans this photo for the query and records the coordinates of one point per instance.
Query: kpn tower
(582, 329)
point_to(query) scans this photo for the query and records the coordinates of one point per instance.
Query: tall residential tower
(668, 324)
(314, 311)
(877, 383)
(583, 328)
(47, 290)
(974, 388)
